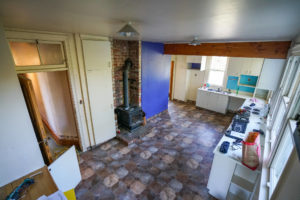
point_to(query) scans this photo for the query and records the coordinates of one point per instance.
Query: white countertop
(232, 94)
(255, 122)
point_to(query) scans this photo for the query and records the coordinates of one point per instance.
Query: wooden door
(36, 117)
(97, 58)
(171, 80)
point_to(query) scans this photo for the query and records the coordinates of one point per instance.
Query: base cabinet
(212, 101)
(220, 176)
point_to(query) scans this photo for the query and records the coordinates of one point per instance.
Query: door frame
(171, 79)
(72, 71)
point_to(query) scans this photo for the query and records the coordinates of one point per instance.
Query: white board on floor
(65, 170)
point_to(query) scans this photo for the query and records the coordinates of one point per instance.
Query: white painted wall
(194, 59)
(54, 101)
(18, 144)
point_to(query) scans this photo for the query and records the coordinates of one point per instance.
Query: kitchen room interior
(150, 100)
(232, 75)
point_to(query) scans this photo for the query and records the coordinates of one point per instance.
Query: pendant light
(128, 31)
(195, 42)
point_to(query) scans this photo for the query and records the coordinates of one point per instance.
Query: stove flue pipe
(127, 66)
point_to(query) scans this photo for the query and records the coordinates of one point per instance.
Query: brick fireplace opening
(121, 50)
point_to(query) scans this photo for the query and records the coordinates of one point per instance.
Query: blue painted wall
(155, 78)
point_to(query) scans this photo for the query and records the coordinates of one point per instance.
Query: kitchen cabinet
(212, 101)
(97, 60)
(270, 74)
(247, 66)
(222, 103)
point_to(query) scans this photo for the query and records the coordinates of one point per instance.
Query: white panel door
(97, 57)
(195, 79)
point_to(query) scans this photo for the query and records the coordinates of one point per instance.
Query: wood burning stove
(129, 117)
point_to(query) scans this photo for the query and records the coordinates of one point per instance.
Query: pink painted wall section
(54, 101)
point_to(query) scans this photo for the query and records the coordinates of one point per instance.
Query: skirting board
(59, 140)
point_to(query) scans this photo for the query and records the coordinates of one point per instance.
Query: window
(32, 53)
(25, 53)
(290, 75)
(281, 157)
(294, 83)
(286, 71)
(274, 101)
(278, 121)
(217, 70)
(295, 104)
(284, 107)
(51, 54)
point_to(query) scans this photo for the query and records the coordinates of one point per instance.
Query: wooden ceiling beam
(234, 49)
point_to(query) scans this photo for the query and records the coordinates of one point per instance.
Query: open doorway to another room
(43, 73)
(171, 80)
(54, 105)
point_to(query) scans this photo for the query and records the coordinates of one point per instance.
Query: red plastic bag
(251, 151)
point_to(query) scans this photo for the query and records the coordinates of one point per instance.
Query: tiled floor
(173, 161)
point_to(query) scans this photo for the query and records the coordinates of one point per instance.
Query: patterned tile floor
(172, 161)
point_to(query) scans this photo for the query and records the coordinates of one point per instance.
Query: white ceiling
(160, 20)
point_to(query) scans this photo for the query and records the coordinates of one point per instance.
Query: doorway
(171, 80)
(48, 99)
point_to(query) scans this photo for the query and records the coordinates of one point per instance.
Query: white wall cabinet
(249, 66)
(271, 74)
(97, 60)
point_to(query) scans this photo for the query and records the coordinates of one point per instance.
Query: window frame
(294, 83)
(292, 108)
(286, 71)
(285, 136)
(276, 139)
(290, 75)
(40, 68)
(274, 102)
(224, 71)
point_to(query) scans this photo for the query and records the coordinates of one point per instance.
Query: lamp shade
(128, 31)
